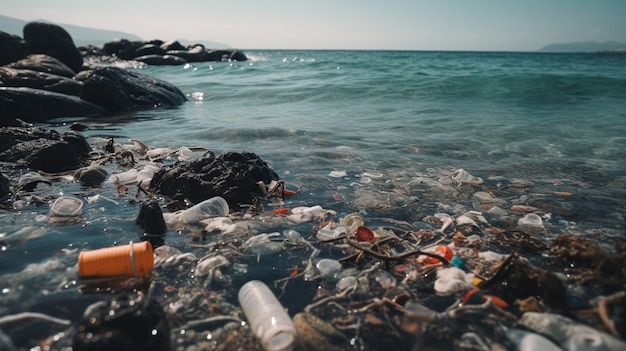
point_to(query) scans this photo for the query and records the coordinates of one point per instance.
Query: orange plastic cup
(134, 259)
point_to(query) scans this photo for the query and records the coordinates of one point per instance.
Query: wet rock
(12, 48)
(226, 55)
(89, 176)
(232, 175)
(150, 219)
(149, 49)
(39, 80)
(39, 105)
(138, 50)
(172, 45)
(118, 90)
(124, 323)
(122, 48)
(190, 56)
(52, 40)
(43, 63)
(41, 149)
(5, 187)
(161, 60)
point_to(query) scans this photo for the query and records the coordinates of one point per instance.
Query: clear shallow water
(554, 123)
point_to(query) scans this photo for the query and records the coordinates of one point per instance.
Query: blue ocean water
(543, 130)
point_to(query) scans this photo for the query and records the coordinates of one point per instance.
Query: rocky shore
(45, 76)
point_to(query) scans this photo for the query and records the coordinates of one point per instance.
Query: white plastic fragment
(338, 174)
(452, 280)
(570, 335)
(127, 177)
(461, 176)
(527, 341)
(531, 220)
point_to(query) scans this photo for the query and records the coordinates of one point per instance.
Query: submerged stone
(233, 176)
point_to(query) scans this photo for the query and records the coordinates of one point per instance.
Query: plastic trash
(184, 153)
(353, 220)
(328, 267)
(134, 259)
(527, 341)
(328, 233)
(531, 220)
(213, 207)
(145, 175)
(461, 176)
(569, 334)
(127, 177)
(267, 318)
(67, 206)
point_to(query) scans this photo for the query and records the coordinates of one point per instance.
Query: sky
(489, 25)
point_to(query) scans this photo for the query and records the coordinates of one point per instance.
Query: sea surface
(357, 131)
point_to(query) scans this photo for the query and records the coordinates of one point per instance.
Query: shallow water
(544, 130)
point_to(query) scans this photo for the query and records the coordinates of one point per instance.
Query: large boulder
(42, 149)
(43, 63)
(233, 176)
(118, 90)
(39, 80)
(39, 105)
(53, 40)
(12, 48)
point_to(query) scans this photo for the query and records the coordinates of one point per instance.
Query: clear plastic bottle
(213, 207)
(267, 317)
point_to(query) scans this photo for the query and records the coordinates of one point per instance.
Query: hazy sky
(507, 25)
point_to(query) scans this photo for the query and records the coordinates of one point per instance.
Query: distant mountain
(585, 46)
(91, 36)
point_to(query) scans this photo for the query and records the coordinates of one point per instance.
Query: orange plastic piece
(289, 192)
(478, 297)
(442, 251)
(364, 233)
(134, 259)
(282, 211)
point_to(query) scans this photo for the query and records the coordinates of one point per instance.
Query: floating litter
(67, 206)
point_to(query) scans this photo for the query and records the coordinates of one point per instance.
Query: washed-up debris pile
(438, 260)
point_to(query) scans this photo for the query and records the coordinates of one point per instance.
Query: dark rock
(161, 60)
(190, 56)
(92, 175)
(12, 48)
(5, 187)
(43, 63)
(129, 50)
(16, 123)
(151, 220)
(39, 105)
(226, 55)
(122, 48)
(41, 149)
(52, 40)
(233, 176)
(79, 127)
(149, 49)
(119, 90)
(172, 45)
(10, 77)
(123, 324)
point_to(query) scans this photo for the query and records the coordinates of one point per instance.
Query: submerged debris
(439, 260)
